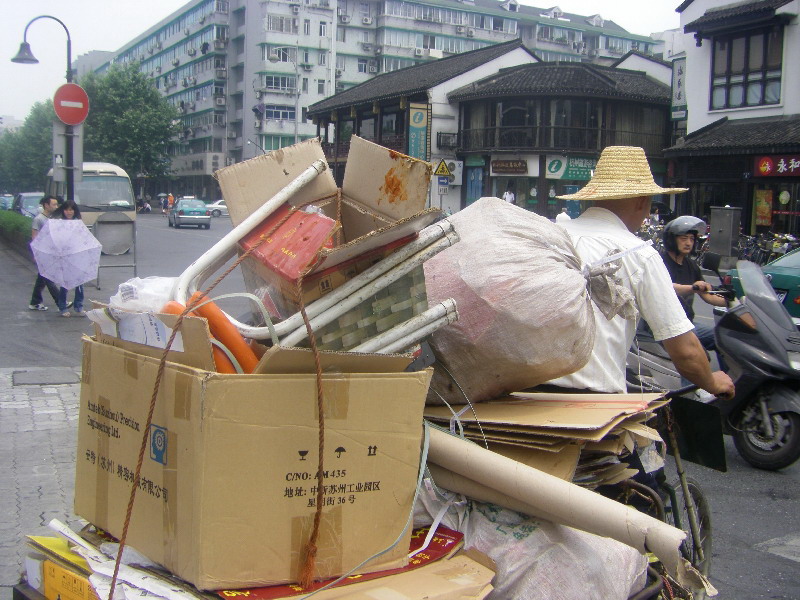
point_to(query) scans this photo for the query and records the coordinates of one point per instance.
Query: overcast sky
(110, 24)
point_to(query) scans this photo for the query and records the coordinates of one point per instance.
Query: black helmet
(681, 226)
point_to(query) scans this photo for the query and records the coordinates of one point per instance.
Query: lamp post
(26, 57)
(274, 57)
(257, 145)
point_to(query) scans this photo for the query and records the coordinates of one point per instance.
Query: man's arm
(703, 287)
(691, 361)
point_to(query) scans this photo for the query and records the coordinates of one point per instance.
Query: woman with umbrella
(68, 211)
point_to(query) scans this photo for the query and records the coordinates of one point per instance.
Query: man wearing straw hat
(621, 190)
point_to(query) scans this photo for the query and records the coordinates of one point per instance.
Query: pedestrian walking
(48, 206)
(69, 211)
(509, 196)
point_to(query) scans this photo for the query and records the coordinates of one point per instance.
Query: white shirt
(594, 233)
(562, 217)
(508, 196)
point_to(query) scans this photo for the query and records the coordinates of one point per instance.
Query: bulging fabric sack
(525, 314)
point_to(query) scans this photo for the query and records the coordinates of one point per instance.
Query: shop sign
(678, 110)
(576, 168)
(777, 166)
(510, 167)
(418, 131)
(764, 207)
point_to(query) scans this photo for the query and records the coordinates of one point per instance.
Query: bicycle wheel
(677, 514)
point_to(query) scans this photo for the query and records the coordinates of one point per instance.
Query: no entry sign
(71, 104)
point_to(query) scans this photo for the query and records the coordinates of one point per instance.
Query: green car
(784, 275)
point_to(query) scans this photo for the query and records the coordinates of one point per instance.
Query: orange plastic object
(223, 330)
(221, 360)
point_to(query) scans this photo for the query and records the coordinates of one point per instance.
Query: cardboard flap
(330, 257)
(279, 360)
(248, 185)
(196, 343)
(386, 181)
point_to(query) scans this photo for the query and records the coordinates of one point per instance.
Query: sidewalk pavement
(38, 427)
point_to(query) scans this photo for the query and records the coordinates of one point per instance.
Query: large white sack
(525, 314)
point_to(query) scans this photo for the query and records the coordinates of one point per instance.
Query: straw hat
(621, 172)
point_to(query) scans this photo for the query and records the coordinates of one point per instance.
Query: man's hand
(701, 287)
(723, 386)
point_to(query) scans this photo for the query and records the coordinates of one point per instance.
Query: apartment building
(243, 72)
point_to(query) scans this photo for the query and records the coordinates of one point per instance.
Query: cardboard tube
(489, 477)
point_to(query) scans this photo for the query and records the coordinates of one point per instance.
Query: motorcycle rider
(622, 187)
(680, 236)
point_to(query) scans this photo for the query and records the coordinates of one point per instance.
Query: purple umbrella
(66, 252)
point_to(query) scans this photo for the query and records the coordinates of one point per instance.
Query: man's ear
(641, 201)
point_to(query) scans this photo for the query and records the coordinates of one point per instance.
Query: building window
(341, 34)
(323, 57)
(279, 113)
(746, 69)
(362, 65)
(307, 27)
(321, 86)
(323, 29)
(305, 85)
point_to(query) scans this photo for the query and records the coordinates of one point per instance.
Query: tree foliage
(25, 154)
(130, 124)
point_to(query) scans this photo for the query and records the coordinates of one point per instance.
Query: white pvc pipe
(413, 337)
(368, 290)
(426, 237)
(435, 312)
(225, 248)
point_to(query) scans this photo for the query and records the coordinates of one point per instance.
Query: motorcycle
(761, 345)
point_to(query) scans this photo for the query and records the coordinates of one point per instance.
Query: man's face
(685, 243)
(50, 206)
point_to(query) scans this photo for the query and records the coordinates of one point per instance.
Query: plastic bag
(525, 314)
(147, 294)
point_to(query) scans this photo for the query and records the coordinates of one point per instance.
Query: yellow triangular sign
(442, 169)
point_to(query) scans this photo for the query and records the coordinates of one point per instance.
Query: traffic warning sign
(442, 170)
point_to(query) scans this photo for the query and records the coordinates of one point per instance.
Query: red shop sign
(777, 166)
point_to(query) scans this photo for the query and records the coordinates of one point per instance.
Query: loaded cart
(298, 452)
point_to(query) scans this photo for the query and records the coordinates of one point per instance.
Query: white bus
(104, 188)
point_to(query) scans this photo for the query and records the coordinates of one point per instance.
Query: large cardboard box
(227, 492)
(382, 201)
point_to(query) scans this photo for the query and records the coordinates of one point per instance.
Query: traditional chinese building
(743, 103)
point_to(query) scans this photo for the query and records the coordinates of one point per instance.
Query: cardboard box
(382, 201)
(61, 583)
(226, 498)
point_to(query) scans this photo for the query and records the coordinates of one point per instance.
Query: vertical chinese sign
(678, 111)
(418, 131)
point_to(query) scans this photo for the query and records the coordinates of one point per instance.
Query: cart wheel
(679, 517)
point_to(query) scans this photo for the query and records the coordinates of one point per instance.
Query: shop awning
(764, 135)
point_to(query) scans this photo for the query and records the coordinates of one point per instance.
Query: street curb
(23, 252)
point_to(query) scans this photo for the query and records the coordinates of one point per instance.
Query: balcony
(551, 138)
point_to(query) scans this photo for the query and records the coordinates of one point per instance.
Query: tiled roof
(740, 12)
(569, 79)
(649, 57)
(416, 79)
(742, 136)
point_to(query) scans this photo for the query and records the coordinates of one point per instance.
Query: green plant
(15, 227)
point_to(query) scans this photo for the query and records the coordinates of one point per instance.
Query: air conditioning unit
(231, 135)
(366, 46)
(307, 66)
(379, 50)
(175, 62)
(222, 73)
(158, 69)
(257, 124)
(191, 52)
(460, 29)
(219, 44)
(258, 94)
(344, 18)
(470, 32)
(418, 51)
(220, 101)
(338, 72)
(296, 9)
(367, 20)
(373, 69)
(187, 31)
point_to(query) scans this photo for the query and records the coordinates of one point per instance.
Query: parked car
(6, 201)
(218, 208)
(189, 211)
(27, 203)
(784, 276)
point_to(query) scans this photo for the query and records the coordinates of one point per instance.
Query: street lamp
(274, 57)
(257, 145)
(26, 57)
